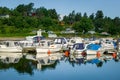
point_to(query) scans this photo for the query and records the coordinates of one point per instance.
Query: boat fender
(114, 55)
(49, 52)
(98, 54)
(84, 54)
(66, 53)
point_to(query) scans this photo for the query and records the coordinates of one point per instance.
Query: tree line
(25, 19)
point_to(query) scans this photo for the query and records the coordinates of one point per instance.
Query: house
(91, 32)
(52, 35)
(4, 16)
(68, 30)
(105, 33)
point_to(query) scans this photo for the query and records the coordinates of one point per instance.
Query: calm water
(82, 69)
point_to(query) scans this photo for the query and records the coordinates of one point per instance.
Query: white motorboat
(10, 46)
(94, 49)
(61, 42)
(107, 44)
(78, 49)
(46, 46)
(74, 40)
(90, 57)
(51, 48)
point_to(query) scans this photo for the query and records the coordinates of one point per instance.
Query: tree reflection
(28, 66)
(25, 66)
(4, 65)
(100, 64)
(52, 66)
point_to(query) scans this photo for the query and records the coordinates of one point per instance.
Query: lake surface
(89, 68)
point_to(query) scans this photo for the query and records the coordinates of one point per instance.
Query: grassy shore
(11, 38)
(21, 36)
(18, 36)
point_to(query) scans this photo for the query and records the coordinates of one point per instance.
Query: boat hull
(11, 50)
(46, 50)
(92, 52)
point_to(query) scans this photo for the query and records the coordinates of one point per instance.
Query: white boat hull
(90, 57)
(51, 48)
(45, 50)
(11, 50)
(93, 52)
(76, 51)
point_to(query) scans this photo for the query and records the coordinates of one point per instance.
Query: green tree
(41, 12)
(84, 25)
(4, 10)
(92, 17)
(107, 24)
(116, 28)
(46, 23)
(99, 15)
(53, 14)
(66, 19)
(85, 15)
(99, 22)
(71, 17)
(78, 17)
(25, 10)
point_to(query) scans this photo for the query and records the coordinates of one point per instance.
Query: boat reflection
(27, 63)
(45, 60)
(10, 57)
(94, 60)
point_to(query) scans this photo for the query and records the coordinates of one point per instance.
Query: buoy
(114, 55)
(66, 53)
(49, 52)
(98, 54)
(84, 54)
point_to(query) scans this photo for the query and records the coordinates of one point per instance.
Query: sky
(110, 8)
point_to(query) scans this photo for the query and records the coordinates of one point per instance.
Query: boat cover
(93, 46)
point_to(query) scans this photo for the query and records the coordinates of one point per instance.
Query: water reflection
(16, 61)
(27, 63)
(10, 57)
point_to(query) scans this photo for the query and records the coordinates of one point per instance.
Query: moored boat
(78, 50)
(107, 44)
(94, 49)
(10, 46)
(47, 47)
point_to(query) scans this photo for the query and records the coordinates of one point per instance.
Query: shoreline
(11, 38)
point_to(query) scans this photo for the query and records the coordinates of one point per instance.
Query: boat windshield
(79, 46)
